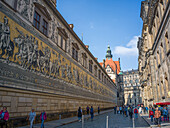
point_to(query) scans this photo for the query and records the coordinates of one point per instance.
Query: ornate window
(167, 42)
(44, 27)
(62, 38)
(99, 73)
(41, 18)
(91, 66)
(162, 52)
(158, 58)
(75, 54)
(95, 70)
(84, 60)
(37, 18)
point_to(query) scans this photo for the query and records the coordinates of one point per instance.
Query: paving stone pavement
(56, 123)
(152, 125)
(115, 121)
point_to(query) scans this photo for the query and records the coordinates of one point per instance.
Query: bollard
(59, 117)
(133, 123)
(107, 122)
(82, 121)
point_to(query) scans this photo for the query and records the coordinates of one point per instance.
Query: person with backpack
(4, 116)
(136, 112)
(43, 117)
(151, 114)
(91, 113)
(146, 108)
(165, 114)
(79, 114)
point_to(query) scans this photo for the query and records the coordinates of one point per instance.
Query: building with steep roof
(113, 69)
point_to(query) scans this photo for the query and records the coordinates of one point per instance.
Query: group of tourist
(32, 117)
(4, 116)
(88, 109)
(158, 114)
(126, 110)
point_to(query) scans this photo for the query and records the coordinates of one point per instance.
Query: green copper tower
(109, 54)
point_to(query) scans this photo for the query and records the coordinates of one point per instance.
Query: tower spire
(108, 53)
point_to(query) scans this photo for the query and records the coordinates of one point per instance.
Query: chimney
(96, 58)
(71, 26)
(104, 63)
(87, 46)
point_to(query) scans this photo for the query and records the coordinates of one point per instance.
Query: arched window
(91, 66)
(158, 58)
(167, 42)
(84, 60)
(162, 52)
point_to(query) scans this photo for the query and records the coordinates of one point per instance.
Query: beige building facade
(44, 65)
(154, 51)
(132, 88)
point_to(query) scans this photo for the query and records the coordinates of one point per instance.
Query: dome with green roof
(109, 54)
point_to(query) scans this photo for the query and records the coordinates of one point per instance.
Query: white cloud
(129, 50)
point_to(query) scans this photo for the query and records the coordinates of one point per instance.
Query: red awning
(162, 103)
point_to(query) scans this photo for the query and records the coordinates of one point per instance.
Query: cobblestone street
(115, 121)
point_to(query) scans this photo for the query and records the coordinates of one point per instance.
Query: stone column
(153, 80)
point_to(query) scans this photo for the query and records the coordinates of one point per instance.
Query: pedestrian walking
(87, 110)
(91, 113)
(146, 108)
(136, 112)
(126, 111)
(4, 116)
(117, 109)
(120, 108)
(165, 114)
(98, 110)
(151, 114)
(123, 110)
(31, 117)
(43, 117)
(157, 117)
(79, 114)
(140, 110)
(130, 112)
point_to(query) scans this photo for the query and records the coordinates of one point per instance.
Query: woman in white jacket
(140, 110)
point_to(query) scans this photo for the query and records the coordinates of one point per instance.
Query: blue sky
(103, 22)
